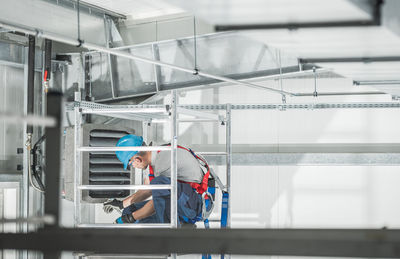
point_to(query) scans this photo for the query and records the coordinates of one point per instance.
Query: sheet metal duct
(56, 16)
(224, 54)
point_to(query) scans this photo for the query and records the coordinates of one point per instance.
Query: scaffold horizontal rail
(299, 106)
(125, 187)
(212, 153)
(105, 225)
(128, 110)
(144, 148)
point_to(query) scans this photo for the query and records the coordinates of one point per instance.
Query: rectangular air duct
(98, 168)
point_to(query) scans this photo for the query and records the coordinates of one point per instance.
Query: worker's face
(138, 162)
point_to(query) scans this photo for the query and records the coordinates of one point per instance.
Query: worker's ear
(138, 159)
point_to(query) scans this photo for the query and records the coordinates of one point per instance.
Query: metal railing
(169, 113)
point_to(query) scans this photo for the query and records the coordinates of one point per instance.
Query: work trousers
(189, 203)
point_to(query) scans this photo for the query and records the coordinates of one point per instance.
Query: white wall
(304, 196)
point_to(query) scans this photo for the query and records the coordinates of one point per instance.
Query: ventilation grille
(104, 167)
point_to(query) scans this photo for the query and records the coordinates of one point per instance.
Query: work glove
(128, 218)
(112, 204)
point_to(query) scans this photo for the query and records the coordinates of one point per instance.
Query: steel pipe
(105, 225)
(378, 82)
(212, 153)
(125, 187)
(338, 93)
(102, 149)
(125, 110)
(78, 162)
(174, 161)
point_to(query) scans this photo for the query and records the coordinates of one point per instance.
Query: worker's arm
(146, 211)
(138, 196)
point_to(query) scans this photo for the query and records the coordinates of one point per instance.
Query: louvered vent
(104, 167)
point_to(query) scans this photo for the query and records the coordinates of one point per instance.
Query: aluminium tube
(228, 136)
(78, 162)
(339, 93)
(31, 79)
(174, 167)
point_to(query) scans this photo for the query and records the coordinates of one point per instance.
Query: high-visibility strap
(206, 226)
(151, 173)
(224, 210)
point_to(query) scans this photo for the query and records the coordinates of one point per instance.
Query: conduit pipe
(31, 80)
(80, 43)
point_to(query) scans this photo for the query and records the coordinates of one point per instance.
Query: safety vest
(199, 187)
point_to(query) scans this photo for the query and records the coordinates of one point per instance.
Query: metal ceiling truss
(375, 21)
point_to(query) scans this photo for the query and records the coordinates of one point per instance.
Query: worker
(136, 208)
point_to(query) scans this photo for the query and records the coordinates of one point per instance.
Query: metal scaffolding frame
(145, 113)
(306, 242)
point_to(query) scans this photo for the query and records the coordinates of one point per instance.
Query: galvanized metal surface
(299, 106)
(228, 139)
(174, 161)
(78, 161)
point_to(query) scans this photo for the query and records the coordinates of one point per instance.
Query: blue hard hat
(128, 141)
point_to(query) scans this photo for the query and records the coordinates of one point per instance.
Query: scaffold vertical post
(174, 146)
(78, 162)
(53, 157)
(174, 166)
(228, 158)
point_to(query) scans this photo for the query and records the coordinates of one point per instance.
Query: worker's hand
(128, 218)
(113, 204)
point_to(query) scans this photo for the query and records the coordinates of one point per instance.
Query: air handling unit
(98, 168)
